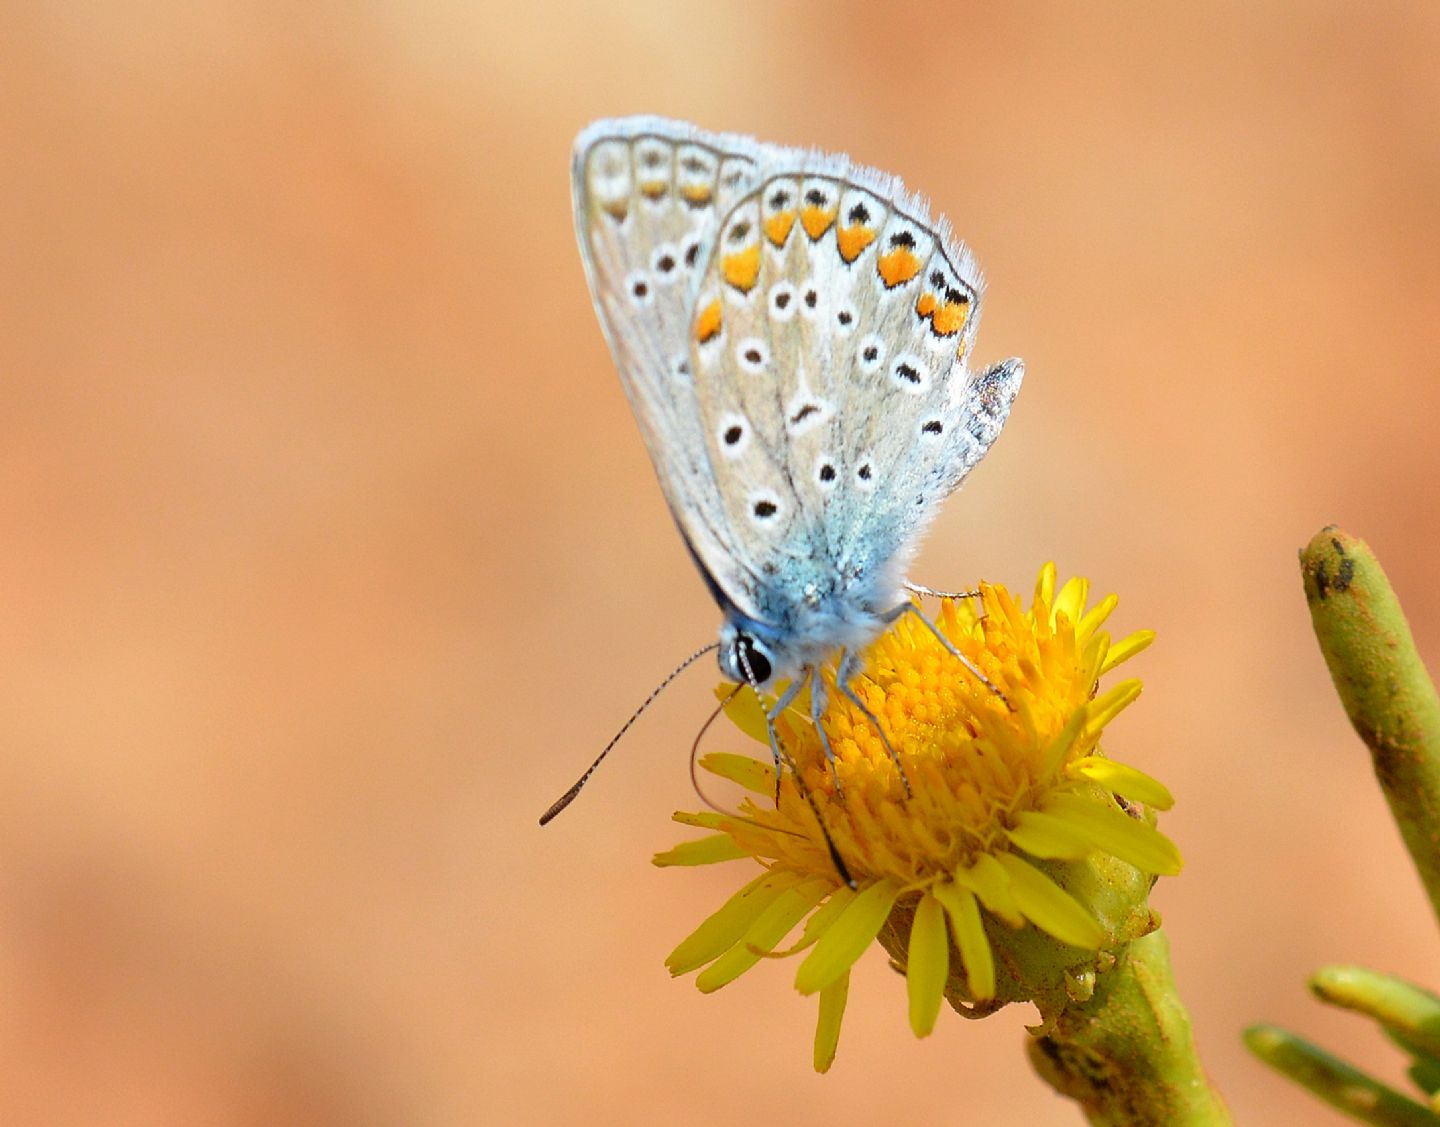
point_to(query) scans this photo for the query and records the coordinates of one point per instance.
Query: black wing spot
(871, 353)
(779, 200)
(863, 473)
(740, 232)
(692, 254)
(639, 289)
(903, 239)
(934, 426)
(844, 317)
(827, 472)
(693, 163)
(859, 214)
(804, 413)
(815, 197)
(666, 263)
(764, 509)
(782, 299)
(955, 297)
(752, 355)
(811, 297)
(908, 373)
(734, 434)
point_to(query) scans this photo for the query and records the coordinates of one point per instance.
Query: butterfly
(793, 332)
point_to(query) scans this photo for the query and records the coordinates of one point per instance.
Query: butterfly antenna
(695, 749)
(835, 858)
(569, 796)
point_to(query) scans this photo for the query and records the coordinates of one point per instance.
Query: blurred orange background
(329, 553)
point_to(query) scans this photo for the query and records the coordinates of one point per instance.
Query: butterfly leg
(921, 589)
(781, 704)
(850, 668)
(780, 758)
(911, 608)
(817, 710)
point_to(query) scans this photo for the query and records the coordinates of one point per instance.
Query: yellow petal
(827, 1026)
(1131, 782)
(1095, 616)
(746, 712)
(1049, 837)
(1071, 600)
(846, 939)
(751, 774)
(1045, 585)
(818, 924)
(1127, 648)
(970, 938)
(1111, 829)
(988, 881)
(702, 851)
(927, 965)
(1055, 753)
(1049, 907)
(1110, 703)
(704, 819)
(770, 926)
(716, 935)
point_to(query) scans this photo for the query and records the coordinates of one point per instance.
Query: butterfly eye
(752, 660)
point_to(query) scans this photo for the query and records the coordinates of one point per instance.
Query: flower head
(1015, 833)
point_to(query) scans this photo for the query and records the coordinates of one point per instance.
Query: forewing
(649, 195)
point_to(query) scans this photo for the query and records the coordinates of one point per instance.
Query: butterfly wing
(649, 196)
(829, 351)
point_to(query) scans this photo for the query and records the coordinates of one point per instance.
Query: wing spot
(782, 301)
(739, 232)
(752, 354)
(734, 434)
(826, 473)
(870, 354)
(933, 426)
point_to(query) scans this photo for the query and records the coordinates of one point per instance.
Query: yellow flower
(1010, 798)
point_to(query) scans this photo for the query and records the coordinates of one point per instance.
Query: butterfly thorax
(830, 614)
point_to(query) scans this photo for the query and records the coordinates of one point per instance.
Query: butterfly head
(745, 656)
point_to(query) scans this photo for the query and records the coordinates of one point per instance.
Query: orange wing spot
(950, 318)
(777, 227)
(816, 222)
(707, 325)
(853, 240)
(618, 209)
(697, 194)
(925, 307)
(654, 189)
(900, 265)
(742, 269)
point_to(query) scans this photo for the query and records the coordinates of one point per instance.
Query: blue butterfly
(793, 332)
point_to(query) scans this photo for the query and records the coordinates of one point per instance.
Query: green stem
(1126, 1054)
(1383, 685)
(1334, 1081)
(1409, 1014)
